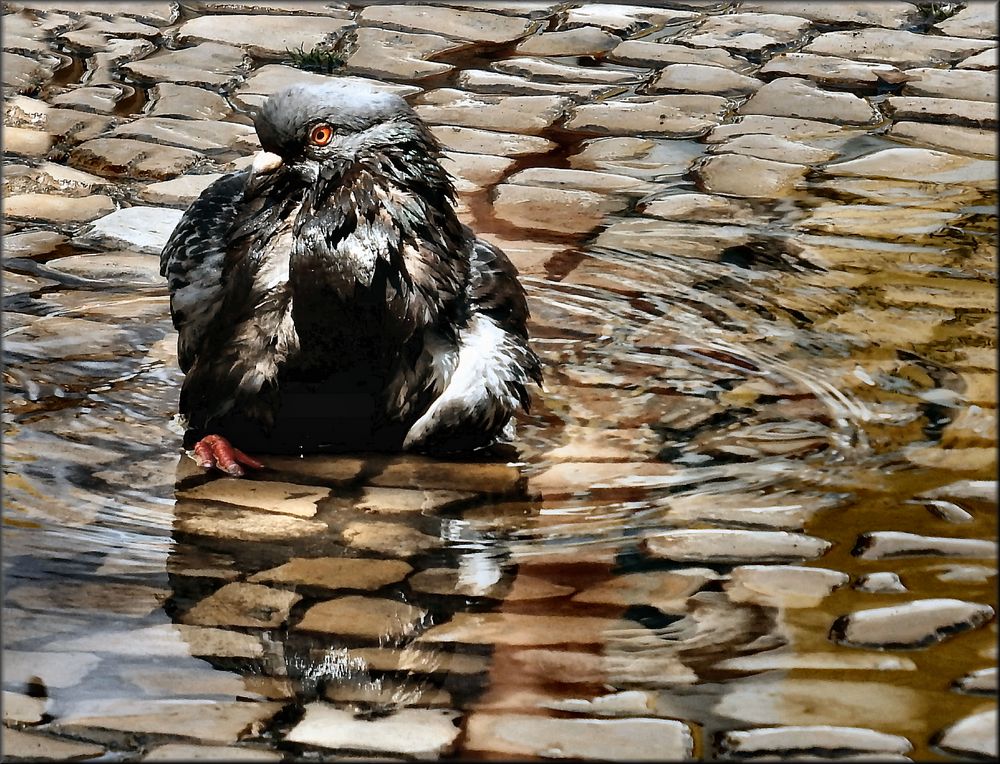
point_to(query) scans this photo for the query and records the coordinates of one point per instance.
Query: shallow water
(736, 398)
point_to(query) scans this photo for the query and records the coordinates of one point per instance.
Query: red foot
(215, 452)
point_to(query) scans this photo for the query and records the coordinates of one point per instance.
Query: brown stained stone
(581, 41)
(166, 640)
(903, 49)
(195, 134)
(515, 114)
(977, 19)
(946, 110)
(24, 74)
(643, 53)
(111, 268)
(667, 591)
(398, 55)
(747, 176)
(493, 82)
(891, 14)
(950, 138)
(185, 752)
(788, 586)
(985, 60)
(543, 70)
(884, 545)
(365, 617)
(549, 209)
(185, 101)
(774, 148)
(207, 65)
(179, 192)
(912, 624)
(104, 65)
(213, 721)
(604, 739)
(244, 524)
(122, 158)
(393, 500)
(518, 630)
(964, 84)
(284, 498)
(54, 668)
(57, 210)
(745, 31)
(475, 141)
(419, 732)
(529, 256)
(695, 78)
(819, 738)
(424, 473)
(33, 746)
(831, 70)
(923, 165)
(387, 538)
(336, 572)
(272, 38)
(25, 142)
(22, 709)
(682, 115)
(18, 283)
(475, 26)
(974, 736)
(795, 97)
(240, 604)
(725, 545)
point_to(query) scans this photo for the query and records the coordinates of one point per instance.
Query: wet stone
(387, 538)
(22, 709)
(285, 498)
(667, 591)
(924, 165)
(883, 582)
(623, 19)
(24, 74)
(365, 617)
(144, 229)
(493, 82)
(969, 85)
(890, 14)
(815, 739)
(54, 668)
(807, 131)
(207, 65)
(394, 500)
(949, 138)
(774, 148)
(127, 158)
(198, 135)
(948, 110)
(518, 630)
(418, 660)
(179, 192)
(425, 733)
(475, 171)
(336, 572)
(885, 545)
(541, 70)
(475, 26)
(271, 39)
(745, 31)
(784, 660)
(975, 735)
(984, 60)
(903, 49)
(695, 78)
(516, 114)
(700, 208)
(832, 71)
(788, 586)
(581, 41)
(644, 158)
(549, 209)
(24, 142)
(644, 53)
(57, 210)
(101, 99)
(748, 176)
(398, 55)
(981, 682)
(34, 746)
(476, 141)
(167, 640)
(111, 268)
(795, 97)
(184, 752)
(240, 604)
(682, 115)
(601, 739)
(977, 19)
(716, 546)
(245, 524)
(185, 101)
(913, 624)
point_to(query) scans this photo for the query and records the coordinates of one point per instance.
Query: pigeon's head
(319, 131)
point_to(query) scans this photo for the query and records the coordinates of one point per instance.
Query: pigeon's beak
(263, 165)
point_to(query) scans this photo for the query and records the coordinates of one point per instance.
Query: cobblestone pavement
(752, 514)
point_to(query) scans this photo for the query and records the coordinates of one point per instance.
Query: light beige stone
(949, 110)
(964, 84)
(747, 176)
(184, 752)
(515, 114)
(18, 745)
(195, 134)
(550, 209)
(949, 138)
(393, 500)
(208, 65)
(745, 31)
(494, 82)
(420, 732)
(621, 18)
(519, 630)
(271, 39)
(977, 19)
(700, 208)
(171, 100)
(25, 142)
(242, 604)
(387, 538)
(725, 545)
(367, 617)
(986, 59)
(904, 49)
(695, 78)
(912, 624)
(667, 591)
(890, 14)
(286, 498)
(336, 572)
(683, 115)
(543, 70)
(774, 148)
(245, 524)
(57, 210)
(789, 586)
(178, 192)
(648, 159)
(121, 158)
(831, 70)
(55, 669)
(644, 53)
(882, 545)
(817, 737)
(974, 736)
(806, 131)
(51, 177)
(924, 165)
(581, 41)
(476, 141)
(475, 26)
(473, 172)
(795, 97)
(22, 709)
(398, 55)
(169, 639)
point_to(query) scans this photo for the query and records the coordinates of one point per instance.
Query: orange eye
(321, 135)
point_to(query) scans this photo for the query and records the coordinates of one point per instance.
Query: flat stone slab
(272, 38)
(647, 159)
(476, 141)
(271, 496)
(582, 739)
(394, 500)
(807, 131)
(19, 745)
(885, 545)
(748, 176)
(947, 110)
(682, 115)
(963, 84)
(543, 70)
(366, 617)
(144, 229)
(122, 158)
(25, 142)
(388, 538)
(581, 41)
(977, 19)
(774, 148)
(813, 739)
(398, 55)
(171, 100)
(890, 14)
(695, 78)
(700, 208)
(975, 735)
(471, 25)
(724, 545)
(795, 97)
(22, 709)
(881, 582)
(473, 172)
(650, 54)
(420, 732)
(245, 524)
(981, 682)
(953, 139)
(198, 135)
(166, 640)
(183, 752)
(667, 591)
(922, 165)
(985, 60)
(893, 46)
(242, 604)
(831, 70)
(178, 192)
(494, 82)
(551, 209)
(789, 586)
(519, 630)
(336, 572)
(209, 65)
(623, 19)
(514, 114)
(746, 31)
(57, 210)
(113, 268)
(910, 625)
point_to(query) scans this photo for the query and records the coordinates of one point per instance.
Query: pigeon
(328, 298)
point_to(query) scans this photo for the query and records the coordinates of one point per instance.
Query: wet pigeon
(328, 298)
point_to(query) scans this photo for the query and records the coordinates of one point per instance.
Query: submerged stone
(18, 745)
(883, 545)
(813, 739)
(747, 176)
(717, 545)
(425, 733)
(913, 624)
(975, 735)
(241, 604)
(366, 617)
(270, 496)
(336, 572)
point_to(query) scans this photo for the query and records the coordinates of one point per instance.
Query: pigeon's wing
(194, 259)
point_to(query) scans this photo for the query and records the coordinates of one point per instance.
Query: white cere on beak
(265, 162)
